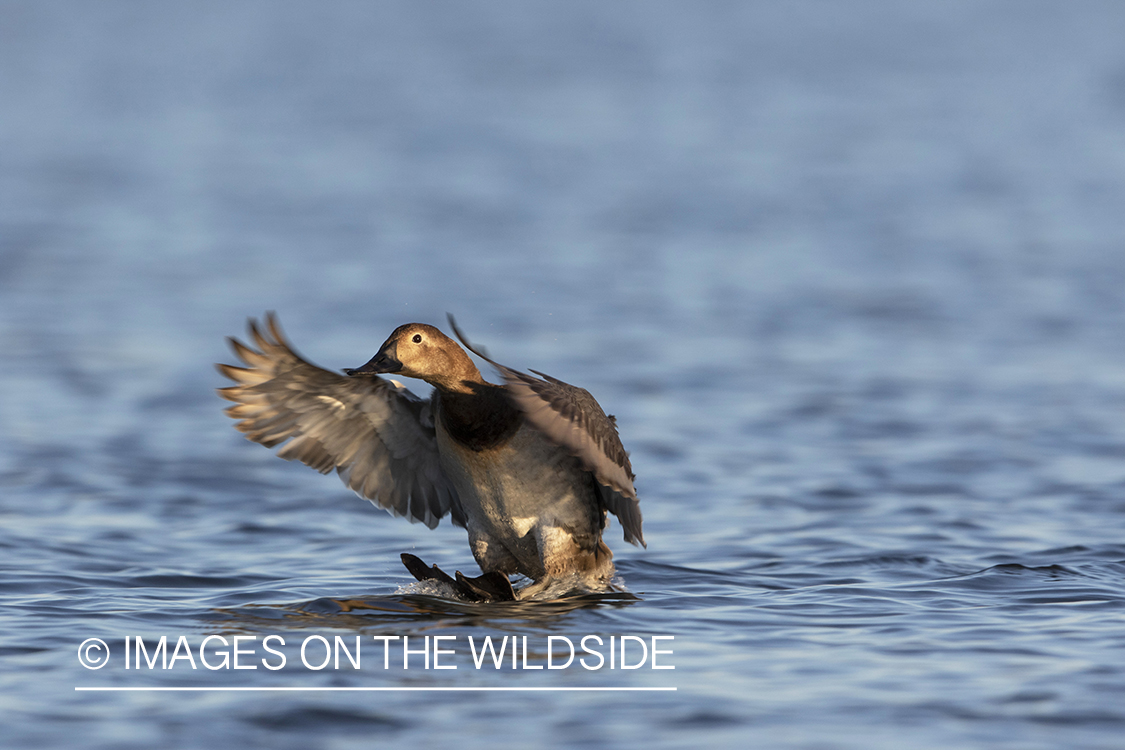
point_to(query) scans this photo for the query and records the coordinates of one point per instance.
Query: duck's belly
(512, 492)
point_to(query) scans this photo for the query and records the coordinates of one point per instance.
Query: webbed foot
(489, 587)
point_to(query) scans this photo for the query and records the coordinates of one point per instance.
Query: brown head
(416, 350)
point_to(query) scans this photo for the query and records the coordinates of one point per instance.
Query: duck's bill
(380, 364)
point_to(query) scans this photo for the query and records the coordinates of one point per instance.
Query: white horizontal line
(379, 689)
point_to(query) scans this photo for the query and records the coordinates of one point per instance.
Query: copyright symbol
(93, 653)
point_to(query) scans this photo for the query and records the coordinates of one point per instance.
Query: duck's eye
(417, 338)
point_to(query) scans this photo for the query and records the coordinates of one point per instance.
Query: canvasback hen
(529, 468)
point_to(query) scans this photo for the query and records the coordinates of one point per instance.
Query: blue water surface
(850, 275)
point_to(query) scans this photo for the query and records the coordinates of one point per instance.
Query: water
(849, 277)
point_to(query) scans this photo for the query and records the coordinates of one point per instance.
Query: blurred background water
(850, 275)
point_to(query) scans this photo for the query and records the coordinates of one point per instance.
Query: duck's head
(416, 350)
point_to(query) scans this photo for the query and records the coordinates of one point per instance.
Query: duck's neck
(461, 376)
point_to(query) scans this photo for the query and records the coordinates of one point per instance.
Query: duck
(529, 467)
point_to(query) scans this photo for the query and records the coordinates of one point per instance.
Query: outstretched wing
(571, 417)
(376, 434)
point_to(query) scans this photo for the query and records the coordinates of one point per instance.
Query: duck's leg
(490, 554)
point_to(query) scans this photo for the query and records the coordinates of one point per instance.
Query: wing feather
(377, 435)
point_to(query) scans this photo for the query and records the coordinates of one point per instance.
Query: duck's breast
(509, 489)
